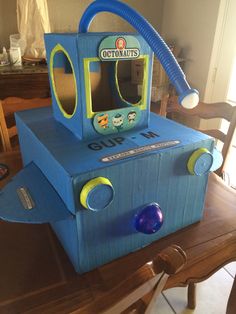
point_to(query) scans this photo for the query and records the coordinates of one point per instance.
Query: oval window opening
(64, 83)
(129, 88)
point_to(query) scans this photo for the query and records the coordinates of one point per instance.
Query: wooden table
(37, 277)
(26, 81)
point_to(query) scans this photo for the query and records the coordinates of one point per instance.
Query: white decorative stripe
(139, 150)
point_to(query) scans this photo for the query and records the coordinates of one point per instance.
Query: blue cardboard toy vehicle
(106, 173)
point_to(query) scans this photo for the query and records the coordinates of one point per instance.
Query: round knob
(150, 219)
(200, 162)
(97, 194)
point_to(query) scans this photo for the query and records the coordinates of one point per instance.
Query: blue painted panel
(67, 233)
(33, 149)
(159, 176)
(46, 205)
(80, 46)
(68, 42)
(54, 138)
(162, 178)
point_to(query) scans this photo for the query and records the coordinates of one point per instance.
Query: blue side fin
(30, 198)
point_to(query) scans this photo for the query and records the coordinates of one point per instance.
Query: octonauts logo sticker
(120, 43)
(113, 48)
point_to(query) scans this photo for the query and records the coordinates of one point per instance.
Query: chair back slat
(222, 110)
(130, 296)
(8, 107)
(217, 134)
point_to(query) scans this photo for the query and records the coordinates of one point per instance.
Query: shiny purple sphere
(149, 220)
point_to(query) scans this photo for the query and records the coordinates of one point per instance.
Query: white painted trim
(223, 53)
(216, 49)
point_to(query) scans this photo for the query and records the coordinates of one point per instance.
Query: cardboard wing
(30, 198)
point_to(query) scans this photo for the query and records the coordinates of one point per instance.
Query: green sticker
(119, 48)
(115, 121)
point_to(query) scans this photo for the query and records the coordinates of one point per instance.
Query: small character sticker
(118, 121)
(120, 43)
(131, 116)
(103, 121)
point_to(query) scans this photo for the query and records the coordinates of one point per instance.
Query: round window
(64, 82)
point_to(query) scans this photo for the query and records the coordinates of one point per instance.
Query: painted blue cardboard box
(109, 176)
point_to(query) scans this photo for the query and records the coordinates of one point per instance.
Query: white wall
(223, 54)
(8, 24)
(191, 24)
(65, 15)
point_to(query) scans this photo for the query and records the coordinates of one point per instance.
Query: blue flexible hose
(159, 47)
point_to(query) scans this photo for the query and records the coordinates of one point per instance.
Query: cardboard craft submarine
(106, 173)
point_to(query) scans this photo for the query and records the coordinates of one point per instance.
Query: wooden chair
(8, 107)
(138, 292)
(222, 110)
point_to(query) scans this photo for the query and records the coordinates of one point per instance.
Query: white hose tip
(190, 101)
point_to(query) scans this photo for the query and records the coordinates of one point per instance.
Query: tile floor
(212, 295)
